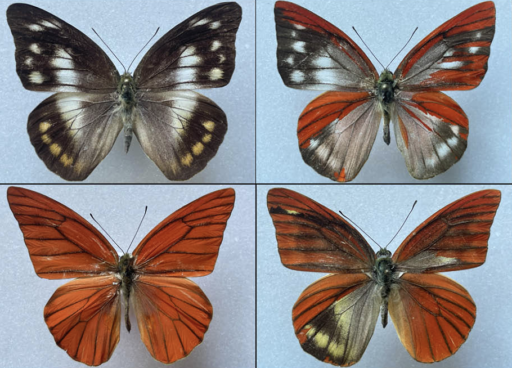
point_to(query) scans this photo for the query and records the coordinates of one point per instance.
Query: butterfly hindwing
(179, 130)
(197, 53)
(73, 132)
(84, 317)
(52, 55)
(314, 54)
(453, 56)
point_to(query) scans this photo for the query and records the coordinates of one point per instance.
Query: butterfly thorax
(385, 91)
(126, 274)
(384, 275)
(126, 98)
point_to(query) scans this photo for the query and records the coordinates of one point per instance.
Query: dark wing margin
(180, 131)
(187, 242)
(314, 54)
(52, 55)
(336, 133)
(73, 132)
(84, 317)
(454, 238)
(173, 314)
(454, 56)
(334, 318)
(197, 53)
(310, 237)
(61, 243)
(432, 314)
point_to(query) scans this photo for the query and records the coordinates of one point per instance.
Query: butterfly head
(125, 266)
(385, 87)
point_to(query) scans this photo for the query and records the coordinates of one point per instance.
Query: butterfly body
(384, 275)
(127, 102)
(127, 276)
(385, 92)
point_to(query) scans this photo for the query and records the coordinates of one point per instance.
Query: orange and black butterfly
(84, 315)
(336, 130)
(334, 318)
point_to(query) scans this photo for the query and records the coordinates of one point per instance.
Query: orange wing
(173, 314)
(187, 242)
(454, 56)
(310, 237)
(432, 315)
(84, 317)
(61, 243)
(454, 238)
(334, 318)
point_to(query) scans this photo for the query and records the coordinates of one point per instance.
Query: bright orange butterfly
(336, 130)
(334, 318)
(84, 315)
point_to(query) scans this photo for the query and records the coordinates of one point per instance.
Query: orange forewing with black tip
(334, 318)
(84, 315)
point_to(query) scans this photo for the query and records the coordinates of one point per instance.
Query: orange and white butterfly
(84, 315)
(335, 317)
(336, 131)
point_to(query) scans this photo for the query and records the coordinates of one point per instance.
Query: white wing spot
(35, 48)
(297, 76)
(69, 77)
(49, 24)
(61, 63)
(323, 62)
(215, 25)
(478, 35)
(202, 22)
(189, 51)
(289, 60)
(298, 26)
(299, 46)
(455, 129)
(186, 74)
(35, 27)
(430, 162)
(222, 58)
(28, 61)
(450, 65)
(442, 150)
(190, 61)
(452, 141)
(36, 77)
(474, 50)
(216, 73)
(62, 54)
(215, 45)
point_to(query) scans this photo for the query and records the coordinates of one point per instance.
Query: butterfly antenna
(143, 48)
(105, 231)
(402, 224)
(145, 211)
(109, 49)
(368, 49)
(356, 225)
(410, 38)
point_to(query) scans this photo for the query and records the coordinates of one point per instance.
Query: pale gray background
(24, 337)
(126, 26)
(380, 211)
(386, 26)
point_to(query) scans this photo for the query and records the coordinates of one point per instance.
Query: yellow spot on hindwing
(291, 212)
(209, 125)
(66, 161)
(321, 339)
(44, 126)
(207, 138)
(55, 149)
(79, 166)
(197, 148)
(187, 160)
(46, 139)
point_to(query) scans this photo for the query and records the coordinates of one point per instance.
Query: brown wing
(454, 238)
(334, 318)
(432, 315)
(61, 243)
(187, 242)
(84, 317)
(310, 237)
(173, 314)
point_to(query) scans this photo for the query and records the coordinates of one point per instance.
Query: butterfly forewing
(180, 131)
(84, 317)
(454, 238)
(73, 132)
(454, 56)
(314, 54)
(52, 55)
(311, 237)
(173, 314)
(61, 243)
(433, 315)
(197, 53)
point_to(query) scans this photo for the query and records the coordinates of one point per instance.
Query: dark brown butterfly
(334, 318)
(84, 315)
(73, 130)
(336, 131)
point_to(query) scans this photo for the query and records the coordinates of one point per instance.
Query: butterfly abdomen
(127, 103)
